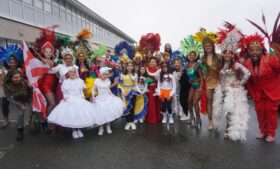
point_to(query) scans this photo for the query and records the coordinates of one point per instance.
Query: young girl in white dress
(107, 106)
(73, 111)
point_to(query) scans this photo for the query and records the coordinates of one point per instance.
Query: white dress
(232, 102)
(107, 106)
(75, 112)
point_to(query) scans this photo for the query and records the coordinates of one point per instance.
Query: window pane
(39, 4)
(28, 2)
(48, 7)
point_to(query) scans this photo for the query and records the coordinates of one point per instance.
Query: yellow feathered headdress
(202, 36)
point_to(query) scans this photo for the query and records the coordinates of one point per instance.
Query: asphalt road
(150, 147)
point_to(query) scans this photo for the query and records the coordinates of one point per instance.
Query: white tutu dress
(75, 112)
(107, 106)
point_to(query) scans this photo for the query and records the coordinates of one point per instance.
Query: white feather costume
(232, 102)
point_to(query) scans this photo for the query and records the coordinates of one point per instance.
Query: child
(166, 89)
(73, 111)
(131, 96)
(17, 92)
(142, 85)
(108, 106)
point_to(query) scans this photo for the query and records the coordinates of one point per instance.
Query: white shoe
(171, 121)
(164, 119)
(108, 129)
(133, 126)
(141, 120)
(135, 121)
(100, 131)
(127, 126)
(184, 117)
(80, 134)
(75, 134)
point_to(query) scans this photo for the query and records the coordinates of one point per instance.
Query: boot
(20, 134)
(171, 120)
(164, 119)
(45, 128)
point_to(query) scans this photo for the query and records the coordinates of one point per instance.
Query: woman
(211, 61)
(18, 93)
(82, 64)
(114, 76)
(195, 75)
(230, 96)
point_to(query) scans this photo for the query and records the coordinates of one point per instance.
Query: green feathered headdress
(100, 52)
(188, 45)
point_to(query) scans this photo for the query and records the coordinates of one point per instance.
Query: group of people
(87, 88)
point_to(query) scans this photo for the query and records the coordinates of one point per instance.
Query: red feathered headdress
(47, 39)
(251, 41)
(150, 42)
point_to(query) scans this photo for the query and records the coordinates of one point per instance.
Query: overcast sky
(175, 19)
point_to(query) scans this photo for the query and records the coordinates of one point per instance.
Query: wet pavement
(150, 147)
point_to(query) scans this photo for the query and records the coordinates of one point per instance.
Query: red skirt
(153, 114)
(47, 83)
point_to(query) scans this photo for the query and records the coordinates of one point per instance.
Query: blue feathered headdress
(11, 49)
(124, 48)
(177, 55)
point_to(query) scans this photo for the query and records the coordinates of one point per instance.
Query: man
(108, 54)
(263, 86)
(168, 48)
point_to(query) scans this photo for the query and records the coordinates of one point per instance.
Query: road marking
(11, 146)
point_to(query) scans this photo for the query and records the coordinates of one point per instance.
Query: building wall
(31, 14)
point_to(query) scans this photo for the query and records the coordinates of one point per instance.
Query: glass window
(29, 2)
(47, 7)
(19, 1)
(39, 4)
(55, 3)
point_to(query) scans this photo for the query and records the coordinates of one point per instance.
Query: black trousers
(5, 108)
(166, 106)
(130, 116)
(184, 94)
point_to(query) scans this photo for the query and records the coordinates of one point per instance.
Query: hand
(234, 85)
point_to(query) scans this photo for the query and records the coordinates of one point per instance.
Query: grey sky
(175, 19)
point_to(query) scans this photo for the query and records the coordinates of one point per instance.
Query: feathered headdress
(250, 41)
(10, 50)
(67, 51)
(82, 44)
(203, 36)
(177, 55)
(47, 39)
(138, 53)
(99, 53)
(274, 38)
(64, 40)
(150, 42)
(188, 45)
(125, 51)
(229, 37)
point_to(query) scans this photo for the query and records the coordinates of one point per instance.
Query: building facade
(26, 16)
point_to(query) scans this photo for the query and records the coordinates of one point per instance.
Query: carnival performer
(264, 83)
(10, 56)
(192, 50)
(178, 63)
(210, 60)
(18, 93)
(73, 111)
(230, 97)
(134, 100)
(166, 89)
(107, 106)
(150, 43)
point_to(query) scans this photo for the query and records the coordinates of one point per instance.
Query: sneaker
(141, 120)
(184, 117)
(135, 121)
(80, 134)
(133, 126)
(127, 126)
(75, 134)
(164, 119)
(270, 139)
(5, 124)
(108, 129)
(171, 120)
(100, 131)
